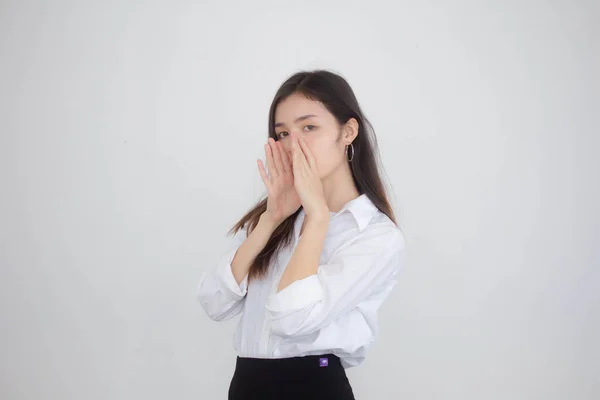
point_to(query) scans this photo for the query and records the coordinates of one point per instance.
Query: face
(322, 133)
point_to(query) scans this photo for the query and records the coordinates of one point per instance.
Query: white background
(129, 134)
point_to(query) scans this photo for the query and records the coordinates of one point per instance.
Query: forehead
(297, 105)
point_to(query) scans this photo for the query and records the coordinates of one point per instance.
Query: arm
(354, 272)
(222, 290)
(257, 240)
(305, 260)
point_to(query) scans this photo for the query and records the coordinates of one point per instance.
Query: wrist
(318, 217)
(318, 222)
(267, 222)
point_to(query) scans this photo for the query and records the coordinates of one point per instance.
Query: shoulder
(380, 240)
(382, 232)
(377, 248)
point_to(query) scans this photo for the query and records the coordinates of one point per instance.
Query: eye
(281, 135)
(310, 128)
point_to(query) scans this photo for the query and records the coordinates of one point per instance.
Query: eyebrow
(296, 120)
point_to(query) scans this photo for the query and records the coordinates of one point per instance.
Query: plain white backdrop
(129, 135)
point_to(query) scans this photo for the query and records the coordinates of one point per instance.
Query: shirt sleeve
(350, 277)
(218, 292)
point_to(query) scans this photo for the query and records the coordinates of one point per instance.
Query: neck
(339, 187)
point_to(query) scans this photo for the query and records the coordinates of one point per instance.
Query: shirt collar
(362, 208)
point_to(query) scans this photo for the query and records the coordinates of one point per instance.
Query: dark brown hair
(337, 96)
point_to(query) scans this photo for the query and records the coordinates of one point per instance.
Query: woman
(315, 259)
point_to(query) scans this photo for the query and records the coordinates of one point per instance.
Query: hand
(307, 181)
(282, 199)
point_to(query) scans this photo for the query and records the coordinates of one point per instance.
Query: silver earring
(351, 157)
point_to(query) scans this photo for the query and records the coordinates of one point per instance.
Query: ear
(350, 131)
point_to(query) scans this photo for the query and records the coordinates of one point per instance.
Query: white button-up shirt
(333, 311)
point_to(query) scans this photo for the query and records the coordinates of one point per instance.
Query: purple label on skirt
(323, 362)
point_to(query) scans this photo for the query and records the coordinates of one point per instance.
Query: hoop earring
(351, 157)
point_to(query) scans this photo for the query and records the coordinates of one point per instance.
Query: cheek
(325, 153)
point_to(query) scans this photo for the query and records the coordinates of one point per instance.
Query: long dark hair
(337, 96)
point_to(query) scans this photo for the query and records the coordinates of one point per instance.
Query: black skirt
(310, 377)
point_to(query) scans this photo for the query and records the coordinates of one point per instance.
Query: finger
(263, 175)
(296, 161)
(287, 163)
(310, 159)
(299, 157)
(276, 147)
(270, 163)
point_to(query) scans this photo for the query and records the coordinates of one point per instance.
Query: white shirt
(333, 311)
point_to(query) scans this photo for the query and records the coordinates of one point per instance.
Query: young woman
(315, 259)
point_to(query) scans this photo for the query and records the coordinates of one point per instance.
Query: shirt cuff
(296, 296)
(227, 280)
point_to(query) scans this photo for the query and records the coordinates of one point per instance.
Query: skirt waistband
(312, 361)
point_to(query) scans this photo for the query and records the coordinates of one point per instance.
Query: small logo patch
(323, 362)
